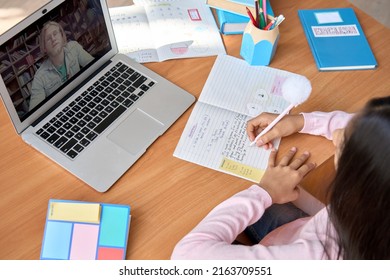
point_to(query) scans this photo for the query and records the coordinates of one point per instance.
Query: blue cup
(258, 46)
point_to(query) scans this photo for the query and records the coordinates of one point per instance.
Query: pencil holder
(258, 46)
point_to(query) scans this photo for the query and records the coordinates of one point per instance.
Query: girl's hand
(281, 180)
(288, 125)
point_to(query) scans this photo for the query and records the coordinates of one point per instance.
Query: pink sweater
(300, 239)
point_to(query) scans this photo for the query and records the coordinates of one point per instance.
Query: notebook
(215, 134)
(336, 39)
(88, 108)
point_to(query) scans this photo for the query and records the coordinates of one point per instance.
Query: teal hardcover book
(232, 23)
(336, 39)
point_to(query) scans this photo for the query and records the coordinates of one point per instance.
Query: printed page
(133, 34)
(184, 28)
(157, 30)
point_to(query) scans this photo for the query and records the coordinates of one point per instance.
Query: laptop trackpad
(136, 132)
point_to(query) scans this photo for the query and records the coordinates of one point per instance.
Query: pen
(272, 124)
(270, 24)
(257, 13)
(296, 90)
(265, 11)
(262, 20)
(251, 16)
(278, 21)
(262, 23)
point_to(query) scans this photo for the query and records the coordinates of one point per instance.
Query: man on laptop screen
(64, 60)
(72, 97)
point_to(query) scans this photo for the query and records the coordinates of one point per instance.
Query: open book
(215, 134)
(160, 30)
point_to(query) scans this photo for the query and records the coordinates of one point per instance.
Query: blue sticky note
(56, 244)
(113, 226)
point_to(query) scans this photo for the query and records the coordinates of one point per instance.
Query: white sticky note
(328, 17)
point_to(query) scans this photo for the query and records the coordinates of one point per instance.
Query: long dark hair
(360, 194)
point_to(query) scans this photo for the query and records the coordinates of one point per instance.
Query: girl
(355, 224)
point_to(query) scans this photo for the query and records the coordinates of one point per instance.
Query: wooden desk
(169, 196)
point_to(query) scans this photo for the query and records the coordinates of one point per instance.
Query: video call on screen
(21, 57)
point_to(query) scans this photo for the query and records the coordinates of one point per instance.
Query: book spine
(306, 28)
(221, 20)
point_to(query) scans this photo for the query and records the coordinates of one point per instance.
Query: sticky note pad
(114, 226)
(78, 230)
(57, 241)
(241, 170)
(105, 253)
(75, 212)
(84, 240)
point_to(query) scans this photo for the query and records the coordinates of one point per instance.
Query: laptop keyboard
(81, 122)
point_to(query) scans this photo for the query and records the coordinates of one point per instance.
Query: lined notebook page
(235, 85)
(215, 134)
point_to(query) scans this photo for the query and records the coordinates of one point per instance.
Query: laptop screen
(52, 52)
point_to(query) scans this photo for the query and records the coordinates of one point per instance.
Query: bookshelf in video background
(21, 58)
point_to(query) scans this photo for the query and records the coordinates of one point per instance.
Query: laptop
(74, 98)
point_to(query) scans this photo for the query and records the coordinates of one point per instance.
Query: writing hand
(281, 180)
(288, 125)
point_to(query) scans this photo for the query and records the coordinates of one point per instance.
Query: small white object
(279, 20)
(254, 109)
(296, 90)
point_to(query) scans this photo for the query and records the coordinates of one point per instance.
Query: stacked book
(232, 15)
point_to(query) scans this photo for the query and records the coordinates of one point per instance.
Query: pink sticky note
(84, 242)
(105, 253)
(277, 86)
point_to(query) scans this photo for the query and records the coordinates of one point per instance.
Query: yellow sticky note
(75, 212)
(241, 170)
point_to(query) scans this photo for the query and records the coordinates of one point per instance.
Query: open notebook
(215, 134)
(72, 97)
